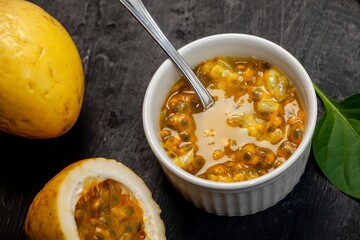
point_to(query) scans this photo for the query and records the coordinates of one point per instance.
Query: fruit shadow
(27, 164)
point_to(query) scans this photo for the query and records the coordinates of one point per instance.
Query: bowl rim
(165, 160)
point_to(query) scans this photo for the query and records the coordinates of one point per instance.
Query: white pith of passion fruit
(52, 212)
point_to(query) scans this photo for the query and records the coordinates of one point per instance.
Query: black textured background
(120, 57)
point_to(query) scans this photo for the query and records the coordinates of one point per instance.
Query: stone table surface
(119, 59)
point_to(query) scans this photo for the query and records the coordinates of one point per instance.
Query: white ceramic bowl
(240, 198)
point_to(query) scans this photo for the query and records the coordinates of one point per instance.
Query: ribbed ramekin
(240, 198)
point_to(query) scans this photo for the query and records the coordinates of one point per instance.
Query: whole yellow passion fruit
(41, 73)
(95, 198)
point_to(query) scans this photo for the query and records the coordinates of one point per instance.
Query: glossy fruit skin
(42, 221)
(41, 74)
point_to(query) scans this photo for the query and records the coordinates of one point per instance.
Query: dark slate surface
(119, 59)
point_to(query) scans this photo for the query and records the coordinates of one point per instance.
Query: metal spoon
(138, 10)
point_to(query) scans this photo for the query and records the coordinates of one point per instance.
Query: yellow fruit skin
(41, 73)
(42, 219)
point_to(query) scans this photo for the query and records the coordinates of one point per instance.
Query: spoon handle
(138, 10)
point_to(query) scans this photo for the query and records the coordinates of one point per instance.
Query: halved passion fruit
(95, 198)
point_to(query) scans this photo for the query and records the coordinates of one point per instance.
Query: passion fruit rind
(41, 76)
(51, 214)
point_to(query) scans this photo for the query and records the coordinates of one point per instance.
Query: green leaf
(336, 143)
